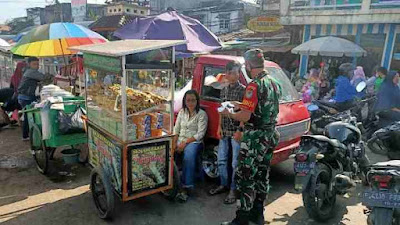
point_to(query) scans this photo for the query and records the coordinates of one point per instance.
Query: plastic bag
(72, 123)
(4, 119)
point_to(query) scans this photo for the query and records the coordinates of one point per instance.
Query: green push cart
(43, 150)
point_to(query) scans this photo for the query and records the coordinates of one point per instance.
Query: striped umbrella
(54, 39)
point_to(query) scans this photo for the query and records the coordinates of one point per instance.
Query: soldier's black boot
(257, 212)
(242, 218)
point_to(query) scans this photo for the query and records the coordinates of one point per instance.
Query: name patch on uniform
(250, 98)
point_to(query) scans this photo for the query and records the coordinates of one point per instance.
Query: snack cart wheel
(38, 148)
(102, 193)
(171, 194)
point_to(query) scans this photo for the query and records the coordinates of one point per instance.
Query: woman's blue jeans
(190, 156)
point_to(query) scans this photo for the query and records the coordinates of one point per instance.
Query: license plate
(385, 199)
(303, 167)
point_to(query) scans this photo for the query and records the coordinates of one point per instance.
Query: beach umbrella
(330, 46)
(54, 39)
(172, 26)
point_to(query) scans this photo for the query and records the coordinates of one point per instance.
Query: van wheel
(210, 163)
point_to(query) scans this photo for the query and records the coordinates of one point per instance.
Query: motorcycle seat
(333, 142)
(391, 163)
(329, 104)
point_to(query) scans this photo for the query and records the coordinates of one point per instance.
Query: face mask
(248, 72)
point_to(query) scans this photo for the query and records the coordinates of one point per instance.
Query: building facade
(220, 19)
(372, 24)
(135, 8)
(56, 13)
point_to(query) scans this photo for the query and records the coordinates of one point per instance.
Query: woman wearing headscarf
(311, 88)
(388, 102)
(9, 95)
(17, 76)
(359, 76)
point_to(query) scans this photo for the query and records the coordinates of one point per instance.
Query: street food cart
(129, 102)
(42, 148)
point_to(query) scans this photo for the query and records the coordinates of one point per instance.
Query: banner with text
(149, 165)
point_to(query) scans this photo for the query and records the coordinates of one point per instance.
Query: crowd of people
(342, 90)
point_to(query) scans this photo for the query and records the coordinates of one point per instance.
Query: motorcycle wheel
(381, 216)
(377, 146)
(317, 199)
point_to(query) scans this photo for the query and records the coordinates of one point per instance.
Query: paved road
(27, 197)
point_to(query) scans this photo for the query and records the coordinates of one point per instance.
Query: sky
(17, 8)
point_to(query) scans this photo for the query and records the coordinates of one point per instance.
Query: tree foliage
(18, 24)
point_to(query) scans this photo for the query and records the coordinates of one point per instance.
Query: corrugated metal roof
(112, 22)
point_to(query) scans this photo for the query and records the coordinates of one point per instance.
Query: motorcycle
(322, 113)
(327, 165)
(382, 196)
(385, 141)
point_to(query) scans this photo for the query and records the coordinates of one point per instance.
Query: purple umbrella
(172, 26)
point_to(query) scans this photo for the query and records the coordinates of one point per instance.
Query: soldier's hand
(225, 112)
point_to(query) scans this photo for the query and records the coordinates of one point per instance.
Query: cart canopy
(126, 47)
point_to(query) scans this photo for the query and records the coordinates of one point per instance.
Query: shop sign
(264, 24)
(149, 166)
(101, 62)
(105, 153)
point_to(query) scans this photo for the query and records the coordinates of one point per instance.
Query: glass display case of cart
(137, 107)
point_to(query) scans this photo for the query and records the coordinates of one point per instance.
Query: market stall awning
(4, 43)
(330, 46)
(172, 26)
(126, 47)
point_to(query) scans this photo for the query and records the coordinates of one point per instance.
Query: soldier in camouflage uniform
(258, 111)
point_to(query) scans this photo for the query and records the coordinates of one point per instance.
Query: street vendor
(27, 89)
(258, 111)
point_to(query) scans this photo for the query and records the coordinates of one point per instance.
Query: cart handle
(69, 102)
(29, 110)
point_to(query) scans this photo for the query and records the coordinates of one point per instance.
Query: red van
(293, 118)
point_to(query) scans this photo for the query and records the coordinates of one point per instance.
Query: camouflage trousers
(252, 174)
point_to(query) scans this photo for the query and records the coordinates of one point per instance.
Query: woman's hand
(237, 136)
(181, 147)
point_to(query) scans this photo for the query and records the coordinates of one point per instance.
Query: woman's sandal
(182, 197)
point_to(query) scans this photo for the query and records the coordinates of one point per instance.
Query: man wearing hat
(258, 111)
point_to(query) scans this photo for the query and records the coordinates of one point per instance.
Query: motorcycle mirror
(312, 108)
(361, 86)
